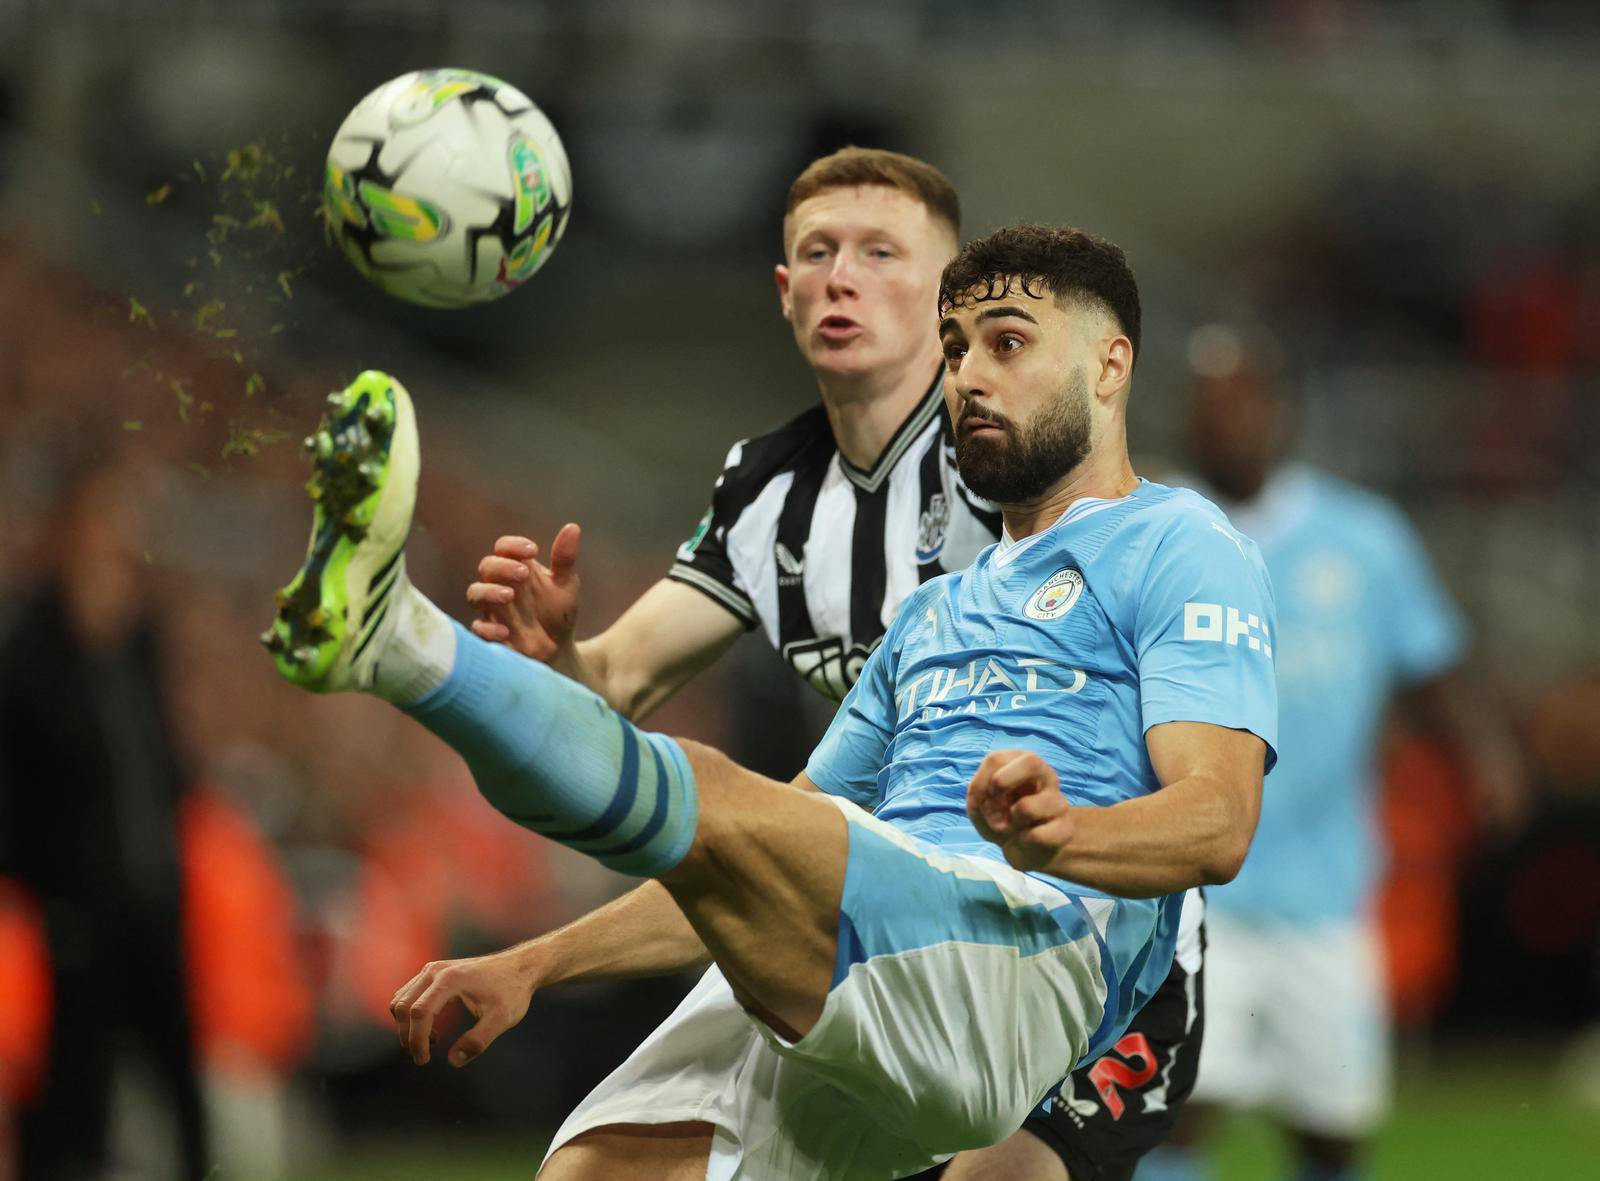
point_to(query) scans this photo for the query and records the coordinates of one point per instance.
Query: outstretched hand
(493, 988)
(524, 604)
(1015, 801)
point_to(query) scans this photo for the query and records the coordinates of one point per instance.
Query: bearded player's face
(1017, 388)
(860, 285)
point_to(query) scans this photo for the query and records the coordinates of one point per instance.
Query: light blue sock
(1171, 1163)
(554, 757)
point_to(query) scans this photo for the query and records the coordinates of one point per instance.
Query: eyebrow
(1002, 313)
(833, 233)
(948, 324)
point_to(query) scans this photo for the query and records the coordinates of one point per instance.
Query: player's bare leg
(633, 1152)
(1022, 1156)
(761, 886)
(757, 866)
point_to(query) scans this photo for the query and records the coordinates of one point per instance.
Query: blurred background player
(90, 794)
(816, 533)
(1296, 997)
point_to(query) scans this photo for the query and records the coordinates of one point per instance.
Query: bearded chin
(1019, 467)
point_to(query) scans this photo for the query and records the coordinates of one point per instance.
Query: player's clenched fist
(1015, 801)
(494, 988)
(524, 604)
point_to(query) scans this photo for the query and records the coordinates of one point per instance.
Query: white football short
(963, 990)
(1296, 1023)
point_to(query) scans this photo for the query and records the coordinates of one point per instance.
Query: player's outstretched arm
(643, 933)
(669, 636)
(1195, 831)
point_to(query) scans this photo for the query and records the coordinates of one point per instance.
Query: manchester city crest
(1056, 597)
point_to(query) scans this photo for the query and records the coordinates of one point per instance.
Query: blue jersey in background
(1360, 614)
(1071, 643)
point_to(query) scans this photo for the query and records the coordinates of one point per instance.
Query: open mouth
(838, 327)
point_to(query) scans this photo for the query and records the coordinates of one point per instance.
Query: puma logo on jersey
(1233, 537)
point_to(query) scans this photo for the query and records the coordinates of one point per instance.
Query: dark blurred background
(1407, 194)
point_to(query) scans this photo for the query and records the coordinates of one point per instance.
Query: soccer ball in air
(447, 187)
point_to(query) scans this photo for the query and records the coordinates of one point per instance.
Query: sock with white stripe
(555, 758)
(419, 650)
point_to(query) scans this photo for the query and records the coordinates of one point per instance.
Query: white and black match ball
(447, 187)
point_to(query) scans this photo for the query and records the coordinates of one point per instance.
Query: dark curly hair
(1066, 262)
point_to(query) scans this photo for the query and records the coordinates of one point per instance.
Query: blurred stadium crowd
(1410, 200)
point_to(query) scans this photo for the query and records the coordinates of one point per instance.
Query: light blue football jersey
(1071, 643)
(1360, 613)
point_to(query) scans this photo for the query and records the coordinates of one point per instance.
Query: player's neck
(865, 410)
(1105, 474)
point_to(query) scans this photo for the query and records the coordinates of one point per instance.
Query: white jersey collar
(1009, 549)
(932, 403)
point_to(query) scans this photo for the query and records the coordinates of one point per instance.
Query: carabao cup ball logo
(1056, 597)
(533, 190)
(533, 197)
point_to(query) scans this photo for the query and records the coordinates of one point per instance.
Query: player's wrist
(540, 962)
(565, 660)
(1065, 848)
(1052, 859)
(582, 660)
(587, 662)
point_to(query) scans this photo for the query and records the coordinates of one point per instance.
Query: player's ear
(781, 274)
(1116, 366)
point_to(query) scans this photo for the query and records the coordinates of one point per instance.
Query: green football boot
(333, 616)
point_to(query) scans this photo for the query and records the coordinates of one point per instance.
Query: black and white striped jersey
(821, 553)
